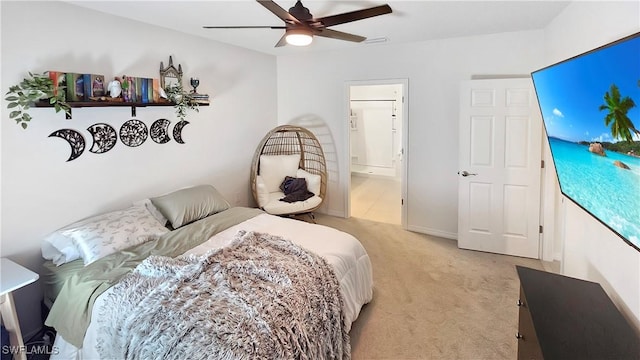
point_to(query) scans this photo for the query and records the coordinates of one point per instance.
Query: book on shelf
(144, 96)
(126, 92)
(93, 86)
(149, 90)
(75, 87)
(156, 90)
(138, 83)
(97, 85)
(59, 79)
(200, 98)
(132, 95)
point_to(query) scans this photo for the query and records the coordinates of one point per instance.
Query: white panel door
(500, 161)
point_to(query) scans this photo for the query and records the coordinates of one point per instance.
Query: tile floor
(376, 198)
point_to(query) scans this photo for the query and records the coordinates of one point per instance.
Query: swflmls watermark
(30, 349)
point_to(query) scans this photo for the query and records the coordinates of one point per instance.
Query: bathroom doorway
(377, 141)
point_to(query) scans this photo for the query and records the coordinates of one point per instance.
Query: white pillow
(59, 249)
(313, 181)
(105, 234)
(274, 168)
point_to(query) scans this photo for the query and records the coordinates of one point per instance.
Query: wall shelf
(132, 105)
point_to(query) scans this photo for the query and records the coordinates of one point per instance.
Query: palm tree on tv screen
(621, 126)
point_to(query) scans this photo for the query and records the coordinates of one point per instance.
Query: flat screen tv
(590, 105)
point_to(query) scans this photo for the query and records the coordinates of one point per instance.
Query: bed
(86, 297)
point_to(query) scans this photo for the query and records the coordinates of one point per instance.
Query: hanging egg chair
(294, 152)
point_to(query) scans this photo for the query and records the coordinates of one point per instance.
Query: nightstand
(13, 277)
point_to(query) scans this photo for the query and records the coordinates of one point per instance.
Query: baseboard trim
(336, 213)
(376, 176)
(433, 232)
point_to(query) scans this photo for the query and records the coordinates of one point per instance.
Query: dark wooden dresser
(566, 318)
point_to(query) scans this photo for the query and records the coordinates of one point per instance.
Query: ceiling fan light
(299, 37)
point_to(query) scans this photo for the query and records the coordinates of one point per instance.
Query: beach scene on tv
(591, 110)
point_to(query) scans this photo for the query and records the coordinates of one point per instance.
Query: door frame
(346, 130)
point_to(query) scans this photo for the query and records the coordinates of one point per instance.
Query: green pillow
(188, 205)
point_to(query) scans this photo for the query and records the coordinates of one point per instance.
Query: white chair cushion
(313, 181)
(261, 190)
(274, 168)
(277, 207)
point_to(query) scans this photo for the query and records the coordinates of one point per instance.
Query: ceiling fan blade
(244, 27)
(333, 34)
(282, 41)
(354, 15)
(279, 12)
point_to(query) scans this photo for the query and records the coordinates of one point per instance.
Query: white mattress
(347, 256)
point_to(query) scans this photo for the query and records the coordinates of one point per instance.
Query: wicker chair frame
(289, 140)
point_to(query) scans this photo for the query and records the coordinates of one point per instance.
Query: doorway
(377, 128)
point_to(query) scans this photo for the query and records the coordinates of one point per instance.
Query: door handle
(465, 173)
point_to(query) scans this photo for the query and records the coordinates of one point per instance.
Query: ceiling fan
(300, 26)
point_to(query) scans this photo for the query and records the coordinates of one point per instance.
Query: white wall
(380, 92)
(434, 70)
(372, 138)
(42, 192)
(591, 251)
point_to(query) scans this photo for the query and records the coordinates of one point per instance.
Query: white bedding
(345, 253)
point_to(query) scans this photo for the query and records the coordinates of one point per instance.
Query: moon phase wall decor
(177, 131)
(159, 131)
(104, 137)
(132, 133)
(75, 140)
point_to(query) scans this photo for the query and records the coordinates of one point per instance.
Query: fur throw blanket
(262, 297)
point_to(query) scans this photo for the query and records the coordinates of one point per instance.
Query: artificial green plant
(34, 88)
(182, 99)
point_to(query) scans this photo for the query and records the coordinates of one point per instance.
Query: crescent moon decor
(75, 140)
(158, 131)
(133, 133)
(104, 137)
(177, 131)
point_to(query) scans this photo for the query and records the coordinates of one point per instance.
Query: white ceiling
(410, 21)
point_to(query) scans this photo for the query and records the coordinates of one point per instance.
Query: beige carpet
(432, 300)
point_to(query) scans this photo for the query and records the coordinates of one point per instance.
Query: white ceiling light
(299, 37)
